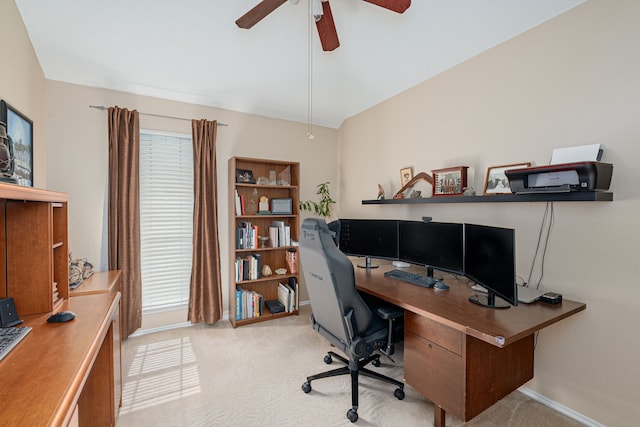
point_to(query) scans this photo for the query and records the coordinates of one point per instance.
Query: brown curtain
(124, 212)
(205, 296)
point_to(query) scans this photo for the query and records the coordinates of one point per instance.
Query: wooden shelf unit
(35, 248)
(273, 257)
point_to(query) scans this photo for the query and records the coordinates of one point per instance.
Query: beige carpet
(252, 376)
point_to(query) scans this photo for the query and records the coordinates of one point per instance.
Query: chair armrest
(390, 312)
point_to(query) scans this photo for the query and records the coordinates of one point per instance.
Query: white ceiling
(192, 51)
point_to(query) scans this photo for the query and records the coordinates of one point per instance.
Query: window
(166, 219)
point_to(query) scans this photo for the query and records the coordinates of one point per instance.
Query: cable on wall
(546, 227)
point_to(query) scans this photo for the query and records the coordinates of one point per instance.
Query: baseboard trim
(560, 408)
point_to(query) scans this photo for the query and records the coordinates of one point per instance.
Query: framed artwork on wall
(497, 181)
(20, 132)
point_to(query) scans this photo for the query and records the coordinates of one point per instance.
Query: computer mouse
(440, 286)
(63, 316)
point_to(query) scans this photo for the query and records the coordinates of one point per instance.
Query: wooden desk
(461, 356)
(63, 373)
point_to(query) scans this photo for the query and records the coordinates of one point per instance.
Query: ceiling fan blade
(395, 5)
(327, 29)
(258, 12)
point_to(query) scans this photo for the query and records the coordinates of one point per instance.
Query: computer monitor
(369, 238)
(489, 260)
(436, 245)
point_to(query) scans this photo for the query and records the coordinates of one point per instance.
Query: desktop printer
(566, 177)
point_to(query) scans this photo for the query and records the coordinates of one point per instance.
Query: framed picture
(20, 130)
(406, 175)
(281, 207)
(449, 181)
(497, 181)
(245, 176)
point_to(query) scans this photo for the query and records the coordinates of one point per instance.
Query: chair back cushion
(330, 281)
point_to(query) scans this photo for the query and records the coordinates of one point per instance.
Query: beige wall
(78, 157)
(22, 82)
(571, 81)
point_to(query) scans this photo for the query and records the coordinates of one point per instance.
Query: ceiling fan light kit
(321, 11)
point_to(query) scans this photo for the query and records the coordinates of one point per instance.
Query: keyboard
(10, 337)
(413, 278)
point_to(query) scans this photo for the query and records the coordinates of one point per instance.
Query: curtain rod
(103, 108)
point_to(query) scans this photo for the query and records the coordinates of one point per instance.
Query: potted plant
(324, 206)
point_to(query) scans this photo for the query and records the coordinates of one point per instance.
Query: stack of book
(248, 267)
(249, 304)
(279, 234)
(288, 295)
(246, 235)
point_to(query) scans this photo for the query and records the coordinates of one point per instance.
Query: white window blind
(166, 219)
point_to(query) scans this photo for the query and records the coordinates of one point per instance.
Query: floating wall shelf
(575, 196)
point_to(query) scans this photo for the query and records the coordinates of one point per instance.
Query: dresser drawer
(435, 372)
(440, 334)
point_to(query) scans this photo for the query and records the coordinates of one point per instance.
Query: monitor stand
(367, 263)
(489, 300)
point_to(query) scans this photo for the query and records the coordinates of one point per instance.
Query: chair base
(374, 359)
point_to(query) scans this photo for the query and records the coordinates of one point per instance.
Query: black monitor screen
(490, 261)
(432, 244)
(376, 238)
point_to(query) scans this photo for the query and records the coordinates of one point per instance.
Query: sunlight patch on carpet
(160, 372)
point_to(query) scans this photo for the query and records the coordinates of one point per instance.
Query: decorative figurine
(266, 270)
(264, 206)
(380, 192)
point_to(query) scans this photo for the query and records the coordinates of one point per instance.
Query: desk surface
(499, 327)
(99, 282)
(42, 377)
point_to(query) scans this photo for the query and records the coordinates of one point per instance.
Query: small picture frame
(449, 181)
(20, 130)
(406, 175)
(245, 176)
(497, 182)
(281, 206)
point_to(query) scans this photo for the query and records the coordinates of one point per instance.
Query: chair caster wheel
(306, 387)
(352, 415)
(328, 359)
(376, 363)
(399, 393)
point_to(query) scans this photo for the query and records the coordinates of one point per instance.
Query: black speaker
(8, 313)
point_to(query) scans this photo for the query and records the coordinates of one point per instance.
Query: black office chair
(340, 313)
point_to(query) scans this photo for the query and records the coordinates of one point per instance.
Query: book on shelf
(293, 285)
(287, 235)
(238, 206)
(273, 236)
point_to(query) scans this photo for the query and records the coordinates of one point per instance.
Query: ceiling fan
(322, 14)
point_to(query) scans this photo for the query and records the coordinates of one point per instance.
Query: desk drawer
(435, 372)
(433, 331)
